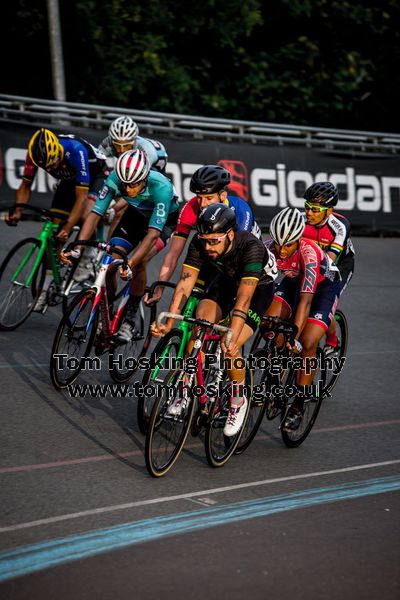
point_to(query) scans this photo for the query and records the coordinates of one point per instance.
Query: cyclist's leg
(346, 268)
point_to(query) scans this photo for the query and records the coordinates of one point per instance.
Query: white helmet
(287, 226)
(123, 129)
(132, 166)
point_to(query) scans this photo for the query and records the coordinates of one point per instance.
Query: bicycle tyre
(312, 407)
(161, 425)
(257, 410)
(144, 405)
(128, 350)
(341, 323)
(65, 323)
(218, 447)
(31, 294)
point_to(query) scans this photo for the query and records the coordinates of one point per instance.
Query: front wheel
(73, 340)
(22, 276)
(169, 424)
(335, 357)
(167, 347)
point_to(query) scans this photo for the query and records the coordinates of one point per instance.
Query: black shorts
(134, 226)
(223, 291)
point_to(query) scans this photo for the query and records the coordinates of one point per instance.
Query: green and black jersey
(247, 259)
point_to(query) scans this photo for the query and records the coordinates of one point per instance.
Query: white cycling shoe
(235, 419)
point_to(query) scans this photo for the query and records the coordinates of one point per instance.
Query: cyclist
(147, 224)
(209, 183)
(79, 168)
(123, 135)
(241, 278)
(308, 293)
(331, 231)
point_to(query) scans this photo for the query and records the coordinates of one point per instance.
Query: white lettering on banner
(293, 177)
(369, 196)
(271, 188)
(264, 194)
(387, 184)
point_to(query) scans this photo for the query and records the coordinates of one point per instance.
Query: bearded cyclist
(79, 168)
(331, 231)
(241, 275)
(146, 226)
(308, 294)
(209, 183)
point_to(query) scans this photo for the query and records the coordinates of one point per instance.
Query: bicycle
(23, 271)
(80, 329)
(167, 431)
(273, 388)
(173, 344)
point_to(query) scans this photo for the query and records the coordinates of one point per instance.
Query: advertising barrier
(269, 176)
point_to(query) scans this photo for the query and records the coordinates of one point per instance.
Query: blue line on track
(29, 559)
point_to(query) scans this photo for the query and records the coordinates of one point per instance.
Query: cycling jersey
(333, 236)
(247, 259)
(82, 162)
(155, 151)
(190, 212)
(309, 265)
(155, 202)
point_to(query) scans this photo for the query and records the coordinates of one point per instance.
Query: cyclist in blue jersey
(209, 183)
(79, 169)
(146, 226)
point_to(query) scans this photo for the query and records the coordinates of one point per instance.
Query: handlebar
(150, 290)
(44, 212)
(106, 246)
(278, 325)
(200, 322)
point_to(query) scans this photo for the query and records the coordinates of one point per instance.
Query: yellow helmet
(44, 148)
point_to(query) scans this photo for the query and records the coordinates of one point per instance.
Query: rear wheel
(20, 284)
(335, 355)
(167, 347)
(74, 340)
(167, 433)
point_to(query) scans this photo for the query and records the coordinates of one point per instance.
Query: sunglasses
(211, 241)
(315, 209)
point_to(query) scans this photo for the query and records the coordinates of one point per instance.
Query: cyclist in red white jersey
(308, 293)
(331, 231)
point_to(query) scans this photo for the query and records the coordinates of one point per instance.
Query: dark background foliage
(332, 63)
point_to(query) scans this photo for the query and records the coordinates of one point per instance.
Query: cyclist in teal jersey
(148, 223)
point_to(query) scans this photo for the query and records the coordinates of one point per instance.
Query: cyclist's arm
(302, 311)
(183, 289)
(245, 293)
(22, 196)
(81, 197)
(145, 246)
(171, 259)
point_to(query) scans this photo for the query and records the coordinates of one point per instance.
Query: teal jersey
(156, 202)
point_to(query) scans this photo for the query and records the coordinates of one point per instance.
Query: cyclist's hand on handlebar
(232, 350)
(149, 300)
(158, 331)
(66, 256)
(125, 274)
(13, 220)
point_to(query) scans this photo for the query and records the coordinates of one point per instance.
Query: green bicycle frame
(186, 329)
(46, 242)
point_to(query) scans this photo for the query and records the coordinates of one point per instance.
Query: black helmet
(209, 179)
(216, 218)
(322, 192)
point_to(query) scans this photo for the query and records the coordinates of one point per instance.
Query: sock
(331, 340)
(47, 280)
(237, 394)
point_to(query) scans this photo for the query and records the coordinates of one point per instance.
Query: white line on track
(190, 495)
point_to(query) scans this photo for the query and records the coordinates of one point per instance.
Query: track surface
(318, 521)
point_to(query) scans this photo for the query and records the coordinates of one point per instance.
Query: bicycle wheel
(74, 339)
(312, 405)
(219, 448)
(167, 434)
(123, 368)
(167, 347)
(20, 283)
(335, 356)
(257, 405)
